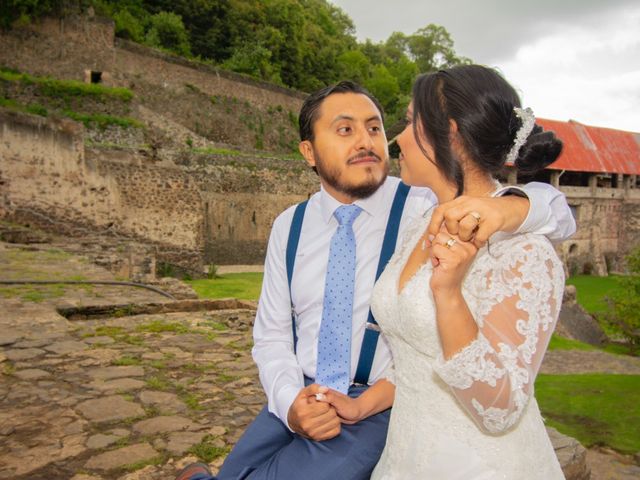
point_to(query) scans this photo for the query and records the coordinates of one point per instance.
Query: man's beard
(362, 190)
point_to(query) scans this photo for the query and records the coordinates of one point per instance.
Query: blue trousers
(268, 450)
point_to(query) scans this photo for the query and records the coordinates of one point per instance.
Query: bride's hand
(475, 219)
(451, 258)
(346, 407)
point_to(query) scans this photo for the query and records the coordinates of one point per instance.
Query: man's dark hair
(310, 107)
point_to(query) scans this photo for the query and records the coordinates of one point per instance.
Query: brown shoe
(193, 469)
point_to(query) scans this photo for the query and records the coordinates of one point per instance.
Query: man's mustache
(362, 155)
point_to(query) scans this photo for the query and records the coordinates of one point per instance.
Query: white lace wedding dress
(473, 416)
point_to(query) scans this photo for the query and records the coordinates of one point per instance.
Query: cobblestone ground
(111, 396)
(126, 397)
(132, 396)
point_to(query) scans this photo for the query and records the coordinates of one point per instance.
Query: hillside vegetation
(302, 44)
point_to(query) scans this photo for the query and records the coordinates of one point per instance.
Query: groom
(336, 261)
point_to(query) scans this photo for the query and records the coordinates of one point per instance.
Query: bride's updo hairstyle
(482, 104)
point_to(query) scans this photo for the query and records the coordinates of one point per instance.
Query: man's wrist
(283, 403)
(517, 210)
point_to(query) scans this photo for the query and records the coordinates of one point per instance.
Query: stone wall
(208, 209)
(204, 209)
(45, 175)
(134, 60)
(608, 229)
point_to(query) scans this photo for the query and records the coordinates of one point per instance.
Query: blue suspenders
(292, 248)
(372, 330)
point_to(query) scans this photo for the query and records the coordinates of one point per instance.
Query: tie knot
(346, 214)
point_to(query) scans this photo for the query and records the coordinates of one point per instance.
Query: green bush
(128, 26)
(167, 31)
(624, 303)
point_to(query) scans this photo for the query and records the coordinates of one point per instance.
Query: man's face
(349, 149)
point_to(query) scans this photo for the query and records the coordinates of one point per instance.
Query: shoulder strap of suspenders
(372, 330)
(292, 248)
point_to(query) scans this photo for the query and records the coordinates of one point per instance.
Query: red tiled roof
(595, 149)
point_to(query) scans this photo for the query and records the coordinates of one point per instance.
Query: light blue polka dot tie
(334, 339)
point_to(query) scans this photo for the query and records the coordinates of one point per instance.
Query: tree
(254, 60)
(128, 26)
(624, 304)
(24, 11)
(354, 65)
(431, 48)
(167, 31)
(384, 87)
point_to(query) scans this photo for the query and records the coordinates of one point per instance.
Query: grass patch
(132, 339)
(55, 88)
(107, 331)
(102, 120)
(123, 442)
(119, 334)
(158, 460)
(158, 326)
(50, 255)
(213, 325)
(33, 293)
(207, 451)
(591, 291)
(561, 343)
(125, 311)
(33, 108)
(620, 349)
(126, 361)
(158, 383)
(244, 286)
(224, 378)
(597, 409)
(221, 151)
(191, 400)
(158, 364)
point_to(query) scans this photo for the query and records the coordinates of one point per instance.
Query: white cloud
(571, 59)
(590, 76)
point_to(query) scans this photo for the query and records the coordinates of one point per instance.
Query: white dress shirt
(282, 371)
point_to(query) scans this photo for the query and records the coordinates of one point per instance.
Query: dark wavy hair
(481, 102)
(311, 105)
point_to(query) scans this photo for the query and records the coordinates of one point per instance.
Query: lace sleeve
(519, 294)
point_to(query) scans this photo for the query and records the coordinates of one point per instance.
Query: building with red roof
(599, 172)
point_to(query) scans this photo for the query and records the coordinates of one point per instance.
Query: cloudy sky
(569, 59)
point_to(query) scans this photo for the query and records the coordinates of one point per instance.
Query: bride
(468, 327)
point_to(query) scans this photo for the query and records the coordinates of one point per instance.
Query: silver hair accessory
(528, 122)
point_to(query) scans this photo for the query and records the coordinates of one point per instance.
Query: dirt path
(566, 362)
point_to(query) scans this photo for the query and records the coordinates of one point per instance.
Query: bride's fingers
(445, 239)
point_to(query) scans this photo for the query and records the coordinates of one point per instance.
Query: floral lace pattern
(480, 399)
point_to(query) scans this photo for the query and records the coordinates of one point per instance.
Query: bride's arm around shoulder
(517, 298)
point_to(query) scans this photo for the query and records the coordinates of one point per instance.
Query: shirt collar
(372, 206)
